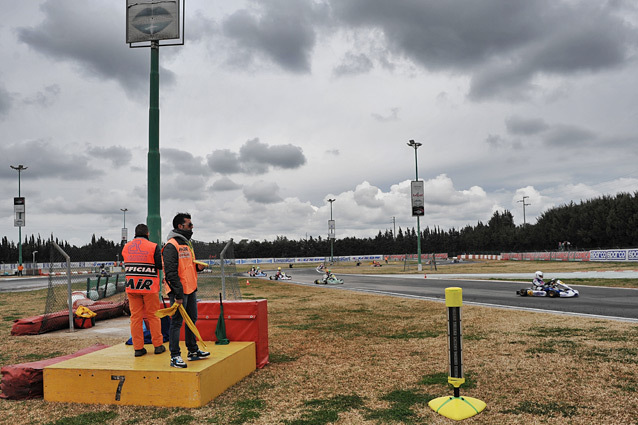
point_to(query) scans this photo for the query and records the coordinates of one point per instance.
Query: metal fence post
(222, 261)
(68, 276)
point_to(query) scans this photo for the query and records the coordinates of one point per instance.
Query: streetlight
(124, 232)
(416, 145)
(19, 168)
(331, 232)
(524, 205)
(147, 24)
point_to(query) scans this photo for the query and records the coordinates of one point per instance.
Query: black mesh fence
(81, 278)
(221, 277)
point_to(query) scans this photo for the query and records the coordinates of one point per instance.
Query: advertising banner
(418, 198)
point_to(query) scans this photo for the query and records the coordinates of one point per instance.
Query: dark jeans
(190, 305)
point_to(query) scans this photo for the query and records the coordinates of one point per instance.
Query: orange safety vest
(186, 268)
(142, 277)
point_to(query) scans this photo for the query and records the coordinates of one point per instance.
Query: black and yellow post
(455, 407)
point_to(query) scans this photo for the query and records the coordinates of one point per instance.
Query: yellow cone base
(457, 408)
(115, 376)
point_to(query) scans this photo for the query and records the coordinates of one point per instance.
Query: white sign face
(418, 198)
(124, 234)
(151, 20)
(19, 220)
(331, 229)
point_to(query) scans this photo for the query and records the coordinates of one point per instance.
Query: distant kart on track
(283, 276)
(332, 280)
(555, 288)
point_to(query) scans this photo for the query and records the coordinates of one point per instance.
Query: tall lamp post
(416, 145)
(331, 230)
(124, 232)
(147, 24)
(19, 168)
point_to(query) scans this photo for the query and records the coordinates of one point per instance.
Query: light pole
(19, 168)
(416, 145)
(524, 205)
(124, 233)
(147, 24)
(331, 230)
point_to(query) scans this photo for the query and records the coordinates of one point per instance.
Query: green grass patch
(558, 331)
(32, 357)
(400, 410)
(12, 317)
(281, 358)
(87, 418)
(545, 409)
(325, 411)
(181, 420)
(161, 414)
(474, 337)
(413, 335)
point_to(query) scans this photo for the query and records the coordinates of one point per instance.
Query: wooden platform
(115, 376)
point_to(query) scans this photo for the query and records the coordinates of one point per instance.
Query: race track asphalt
(601, 302)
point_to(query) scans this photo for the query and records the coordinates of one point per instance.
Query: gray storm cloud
(282, 32)
(255, 157)
(262, 192)
(96, 44)
(117, 155)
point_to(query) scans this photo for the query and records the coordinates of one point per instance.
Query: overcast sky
(274, 106)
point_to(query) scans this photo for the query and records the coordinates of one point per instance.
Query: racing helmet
(278, 268)
(539, 274)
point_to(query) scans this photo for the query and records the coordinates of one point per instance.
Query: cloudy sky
(274, 106)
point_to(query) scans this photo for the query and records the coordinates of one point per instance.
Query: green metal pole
(418, 221)
(154, 219)
(19, 227)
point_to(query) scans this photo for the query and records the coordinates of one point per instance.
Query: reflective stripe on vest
(142, 277)
(186, 268)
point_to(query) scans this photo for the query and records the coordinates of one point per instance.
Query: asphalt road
(608, 303)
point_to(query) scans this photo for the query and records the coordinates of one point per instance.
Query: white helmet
(539, 274)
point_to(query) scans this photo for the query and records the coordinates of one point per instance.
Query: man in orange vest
(142, 262)
(180, 268)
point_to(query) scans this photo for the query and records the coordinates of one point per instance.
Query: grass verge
(367, 359)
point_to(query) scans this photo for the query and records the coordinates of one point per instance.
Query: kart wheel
(522, 292)
(552, 294)
(317, 281)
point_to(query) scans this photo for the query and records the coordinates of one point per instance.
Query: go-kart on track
(602, 302)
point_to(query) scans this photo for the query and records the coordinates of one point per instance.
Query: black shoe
(140, 353)
(160, 349)
(178, 362)
(198, 355)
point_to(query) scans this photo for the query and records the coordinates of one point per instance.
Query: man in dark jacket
(180, 268)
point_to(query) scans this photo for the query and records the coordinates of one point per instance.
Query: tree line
(600, 223)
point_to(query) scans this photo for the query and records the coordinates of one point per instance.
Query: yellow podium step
(115, 376)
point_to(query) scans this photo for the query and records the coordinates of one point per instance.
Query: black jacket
(171, 263)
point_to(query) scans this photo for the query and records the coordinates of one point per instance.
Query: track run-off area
(594, 302)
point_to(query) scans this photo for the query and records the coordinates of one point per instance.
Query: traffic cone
(425, 276)
(247, 282)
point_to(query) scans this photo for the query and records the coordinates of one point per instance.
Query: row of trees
(606, 222)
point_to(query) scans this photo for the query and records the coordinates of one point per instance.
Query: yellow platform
(115, 376)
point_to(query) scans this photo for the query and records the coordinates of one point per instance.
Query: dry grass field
(340, 357)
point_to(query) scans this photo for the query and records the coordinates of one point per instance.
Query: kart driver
(278, 275)
(538, 281)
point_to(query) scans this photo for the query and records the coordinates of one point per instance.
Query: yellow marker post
(455, 407)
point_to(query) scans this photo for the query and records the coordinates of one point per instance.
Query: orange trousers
(145, 305)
